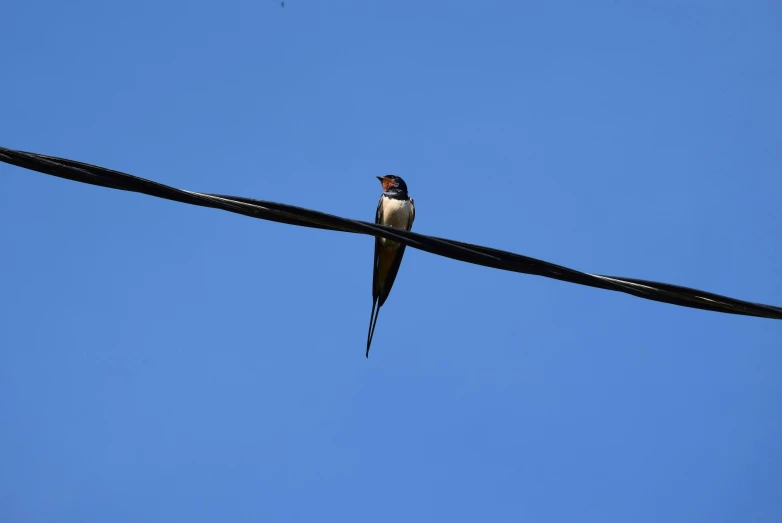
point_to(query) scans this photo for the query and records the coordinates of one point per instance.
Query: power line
(476, 254)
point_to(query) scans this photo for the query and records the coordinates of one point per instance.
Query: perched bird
(395, 209)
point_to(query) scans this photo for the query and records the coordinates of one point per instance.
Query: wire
(476, 254)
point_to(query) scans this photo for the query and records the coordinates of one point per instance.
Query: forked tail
(372, 322)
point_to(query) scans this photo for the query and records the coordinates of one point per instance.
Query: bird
(395, 209)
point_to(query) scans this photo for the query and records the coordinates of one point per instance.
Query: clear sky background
(161, 362)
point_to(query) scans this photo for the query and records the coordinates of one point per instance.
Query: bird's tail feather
(372, 322)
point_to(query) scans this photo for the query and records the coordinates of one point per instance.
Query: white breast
(396, 213)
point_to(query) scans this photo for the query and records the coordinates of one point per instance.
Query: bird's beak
(380, 178)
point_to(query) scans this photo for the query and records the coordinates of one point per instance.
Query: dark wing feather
(391, 275)
(378, 219)
(394, 269)
(375, 310)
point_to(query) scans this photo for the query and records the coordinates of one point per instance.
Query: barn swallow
(394, 209)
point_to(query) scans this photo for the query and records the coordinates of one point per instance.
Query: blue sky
(161, 362)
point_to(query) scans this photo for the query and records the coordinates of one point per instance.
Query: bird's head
(393, 186)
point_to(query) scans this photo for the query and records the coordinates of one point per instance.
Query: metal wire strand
(476, 254)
